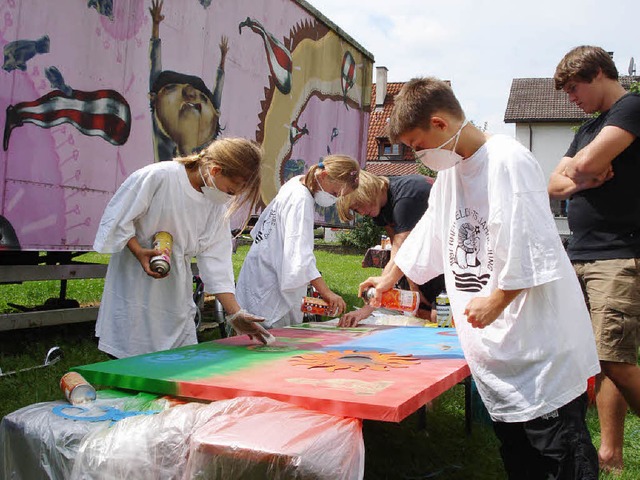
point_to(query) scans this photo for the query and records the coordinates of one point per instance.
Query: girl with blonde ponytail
(192, 197)
(280, 263)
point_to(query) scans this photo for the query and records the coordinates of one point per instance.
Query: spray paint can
(76, 389)
(162, 263)
(315, 306)
(443, 310)
(395, 299)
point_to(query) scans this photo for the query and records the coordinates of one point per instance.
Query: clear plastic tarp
(242, 438)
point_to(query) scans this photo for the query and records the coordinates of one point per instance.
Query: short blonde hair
(369, 188)
(237, 158)
(340, 168)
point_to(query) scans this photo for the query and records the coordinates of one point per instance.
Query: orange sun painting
(353, 360)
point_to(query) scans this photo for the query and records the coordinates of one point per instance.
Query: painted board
(377, 372)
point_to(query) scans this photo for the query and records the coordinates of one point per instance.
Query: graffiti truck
(92, 90)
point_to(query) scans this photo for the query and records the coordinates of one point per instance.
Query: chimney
(381, 86)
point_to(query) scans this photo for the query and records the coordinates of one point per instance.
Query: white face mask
(323, 198)
(438, 159)
(214, 194)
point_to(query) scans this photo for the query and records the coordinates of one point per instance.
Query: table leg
(468, 405)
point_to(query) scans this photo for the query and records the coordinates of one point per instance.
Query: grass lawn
(402, 450)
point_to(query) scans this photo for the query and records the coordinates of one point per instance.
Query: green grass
(402, 450)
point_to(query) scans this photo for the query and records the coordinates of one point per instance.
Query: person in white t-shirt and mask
(280, 263)
(192, 197)
(520, 315)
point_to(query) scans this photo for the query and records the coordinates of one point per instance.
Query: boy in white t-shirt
(518, 306)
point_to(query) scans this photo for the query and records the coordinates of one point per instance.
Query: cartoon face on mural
(184, 111)
(186, 114)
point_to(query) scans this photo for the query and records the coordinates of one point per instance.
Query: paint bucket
(162, 263)
(76, 389)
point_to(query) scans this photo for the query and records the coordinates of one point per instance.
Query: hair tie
(320, 164)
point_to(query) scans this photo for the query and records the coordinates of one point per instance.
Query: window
(389, 151)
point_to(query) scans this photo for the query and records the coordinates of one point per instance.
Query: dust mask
(438, 159)
(322, 198)
(214, 194)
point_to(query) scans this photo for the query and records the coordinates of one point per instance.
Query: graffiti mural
(142, 81)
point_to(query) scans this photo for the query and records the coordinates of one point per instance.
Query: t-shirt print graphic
(463, 255)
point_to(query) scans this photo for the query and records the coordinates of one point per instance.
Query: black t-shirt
(605, 221)
(407, 200)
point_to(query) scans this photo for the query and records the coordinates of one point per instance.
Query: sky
(482, 45)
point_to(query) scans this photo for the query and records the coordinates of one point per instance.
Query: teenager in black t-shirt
(599, 175)
(395, 203)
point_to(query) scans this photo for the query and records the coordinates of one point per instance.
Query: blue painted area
(420, 342)
(111, 414)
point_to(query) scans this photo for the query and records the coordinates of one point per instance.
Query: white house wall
(548, 142)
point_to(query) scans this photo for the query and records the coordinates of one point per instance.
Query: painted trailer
(91, 91)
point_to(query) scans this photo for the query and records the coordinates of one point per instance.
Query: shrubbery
(364, 235)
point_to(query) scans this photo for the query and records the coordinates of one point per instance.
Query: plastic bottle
(395, 299)
(443, 310)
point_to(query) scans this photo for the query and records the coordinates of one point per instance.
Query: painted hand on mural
(156, 17)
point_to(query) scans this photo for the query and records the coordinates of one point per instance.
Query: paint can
(315, 306)
(162, 263)
(443, 310)
(76, 389)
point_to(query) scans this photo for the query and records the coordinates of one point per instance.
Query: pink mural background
(56, 181)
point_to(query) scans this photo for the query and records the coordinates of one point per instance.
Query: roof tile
(392, 168)
(378, 117)
(537, 100)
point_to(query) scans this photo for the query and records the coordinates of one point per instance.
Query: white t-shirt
(489, 226)
(280, 263)
(139, 314)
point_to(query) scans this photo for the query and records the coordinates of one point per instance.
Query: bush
(365, 234)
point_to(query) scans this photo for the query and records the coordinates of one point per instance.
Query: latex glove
(245, 323)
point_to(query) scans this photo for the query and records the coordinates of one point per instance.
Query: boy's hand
(481, 312)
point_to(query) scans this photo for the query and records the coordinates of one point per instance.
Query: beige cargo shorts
(612, 292)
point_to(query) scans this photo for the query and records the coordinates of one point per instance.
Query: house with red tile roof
(383, 158)
(545, 123)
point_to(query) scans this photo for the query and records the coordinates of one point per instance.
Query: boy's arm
(595, 158)
(561, 186)
(482, 311)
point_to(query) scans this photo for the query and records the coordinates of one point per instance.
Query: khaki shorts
(612, 292)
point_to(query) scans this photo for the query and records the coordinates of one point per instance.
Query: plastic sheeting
(243, 438)
(282, 442)
(41, 441)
